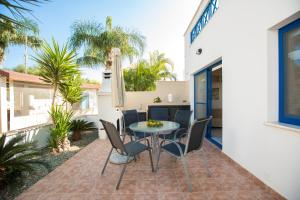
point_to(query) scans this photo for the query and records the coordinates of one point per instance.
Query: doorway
(208, 100)
(216, 126)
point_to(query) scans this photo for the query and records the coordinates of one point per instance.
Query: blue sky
(162, 22)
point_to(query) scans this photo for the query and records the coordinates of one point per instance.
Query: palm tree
(24, 33)
(56, 64)
(140, 77)
(99, 42)
(17, 9)
(17, 157)
(162, 66)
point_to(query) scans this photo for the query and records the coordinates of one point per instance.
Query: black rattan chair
(130, 117)
(182, 117)
(130, 149)
(194, 142)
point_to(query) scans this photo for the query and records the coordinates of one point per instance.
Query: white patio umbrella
(118, 97)
(118, 87)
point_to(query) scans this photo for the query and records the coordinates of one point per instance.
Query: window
(204, 18)
(31, 100)
(289, 73)
(85, 104)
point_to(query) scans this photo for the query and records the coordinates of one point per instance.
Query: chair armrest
(179, 131)
(174, 142)
(142, 139)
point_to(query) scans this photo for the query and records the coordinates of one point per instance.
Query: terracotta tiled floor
(79, 178)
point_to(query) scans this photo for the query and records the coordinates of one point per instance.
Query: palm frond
(94, 38)
(18, 9)
(17, 157)
(82, 125)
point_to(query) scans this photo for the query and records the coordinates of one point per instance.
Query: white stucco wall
(141, 100)
(244, 35)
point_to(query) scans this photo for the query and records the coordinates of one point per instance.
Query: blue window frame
(208, 12)
(289, 73)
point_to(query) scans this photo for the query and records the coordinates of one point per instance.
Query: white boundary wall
(244, 35)
(140, 100)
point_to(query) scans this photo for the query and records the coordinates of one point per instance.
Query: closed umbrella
(118, 87)
(118, 97)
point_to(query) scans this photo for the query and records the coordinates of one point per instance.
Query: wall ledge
(284, 126)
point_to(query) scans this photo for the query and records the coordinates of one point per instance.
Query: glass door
(201, 95)
(203, 98)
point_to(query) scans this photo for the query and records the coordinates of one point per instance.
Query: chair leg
(151, 161)
(122, 173)
(206, 163)
(159, 152)
(104, 167)
(186, 171)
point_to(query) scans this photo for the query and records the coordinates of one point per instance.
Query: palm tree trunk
(1, 56)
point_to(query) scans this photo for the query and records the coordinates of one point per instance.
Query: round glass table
(166, 128)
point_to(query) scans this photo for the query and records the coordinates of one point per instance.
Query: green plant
(79, 125)
(16, 158)
(157, 100)
(143, 75)
(139, 77)
(23, 33)
(57, 65)
(71, 91)
(99, 42)
(61, 119)
(17, 9)
(30, 70)
(161, 66)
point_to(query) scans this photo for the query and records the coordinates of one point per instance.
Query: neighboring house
(25, 101)
(242, 59)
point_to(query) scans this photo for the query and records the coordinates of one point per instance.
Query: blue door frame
(208, 71)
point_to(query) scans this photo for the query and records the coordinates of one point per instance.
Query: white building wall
(244, 34)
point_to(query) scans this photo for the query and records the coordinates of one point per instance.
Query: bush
(17, 157)
(79, 125)
(61, 119)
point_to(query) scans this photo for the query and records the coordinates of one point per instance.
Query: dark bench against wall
(170, 111)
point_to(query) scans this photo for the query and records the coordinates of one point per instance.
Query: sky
(162, 22)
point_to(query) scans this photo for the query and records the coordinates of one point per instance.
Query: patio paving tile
(80, 178)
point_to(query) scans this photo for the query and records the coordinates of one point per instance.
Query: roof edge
(195, 14)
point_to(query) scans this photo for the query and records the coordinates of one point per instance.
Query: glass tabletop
(142, 127)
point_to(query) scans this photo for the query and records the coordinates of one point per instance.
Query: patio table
(166, 128)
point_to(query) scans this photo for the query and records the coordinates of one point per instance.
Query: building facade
(25, 101)
(242, 60)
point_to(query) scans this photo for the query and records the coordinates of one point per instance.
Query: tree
(24, 33)
(143, 75)
(56, 64)
(162, 66)
(72, 91)
(30, 70)
(140, 77)
(99, 42)
(17, 9)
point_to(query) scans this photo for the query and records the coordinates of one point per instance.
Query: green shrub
(17, 157)
(82, 125)
(61, 119)
(79, 125)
